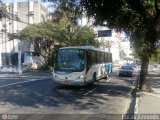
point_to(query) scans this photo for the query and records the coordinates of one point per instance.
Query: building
(109, 38)
(19, 15)
(126, 49)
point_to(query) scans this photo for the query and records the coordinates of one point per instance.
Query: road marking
(89, 91)
(16, 83)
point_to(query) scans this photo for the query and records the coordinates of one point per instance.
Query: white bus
(81, 65)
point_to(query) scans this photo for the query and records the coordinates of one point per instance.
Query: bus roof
(84, 47)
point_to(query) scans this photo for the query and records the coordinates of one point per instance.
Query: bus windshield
(70, 59)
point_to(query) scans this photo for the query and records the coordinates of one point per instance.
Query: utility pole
(19, 61)
(19, 46)
(5, 40)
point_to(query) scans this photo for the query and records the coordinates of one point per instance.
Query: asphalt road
(45, 100)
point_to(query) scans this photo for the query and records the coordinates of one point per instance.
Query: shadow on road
(48, 94)
(153, 79)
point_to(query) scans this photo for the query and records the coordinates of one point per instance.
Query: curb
(137, 98)
(137, 103)
(130, 106)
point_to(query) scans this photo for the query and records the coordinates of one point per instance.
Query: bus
(81, 65)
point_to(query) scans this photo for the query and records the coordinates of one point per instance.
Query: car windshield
(70, 59)
(126, 67)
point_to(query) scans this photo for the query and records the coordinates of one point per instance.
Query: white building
(20, 15)
(126, 49)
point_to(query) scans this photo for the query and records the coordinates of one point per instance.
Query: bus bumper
(79, 82)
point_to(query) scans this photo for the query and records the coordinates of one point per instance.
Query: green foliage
(3, 10)
(55, 32)
(47, 30)
(44, 37)
(139, 18)
(84, 36)
(69, 9)
(62, 29)
(156, 57)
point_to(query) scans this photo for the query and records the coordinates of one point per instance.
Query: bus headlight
(82, 77)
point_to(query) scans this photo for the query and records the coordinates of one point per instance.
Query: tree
(3, 10)
(84, 36)
(139, 18)
(44, 37)
(66, 9)
(62, 29)
(156, 57)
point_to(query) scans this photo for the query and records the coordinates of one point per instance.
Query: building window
(94, 57)
(5, 58)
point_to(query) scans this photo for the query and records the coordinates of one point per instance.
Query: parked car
(126, 70)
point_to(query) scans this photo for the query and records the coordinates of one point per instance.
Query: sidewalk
(149, 102)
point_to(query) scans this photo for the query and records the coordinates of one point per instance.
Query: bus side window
(98, 57)
(102, 57)
(94, 58)
(89, 60)
(105, 57)
(110, 57)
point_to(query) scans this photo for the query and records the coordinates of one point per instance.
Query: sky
(45, 4)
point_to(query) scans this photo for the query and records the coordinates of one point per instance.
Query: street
(41, 98)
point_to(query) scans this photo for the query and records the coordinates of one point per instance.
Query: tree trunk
(143, 74)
